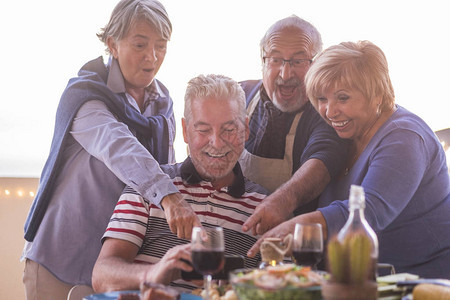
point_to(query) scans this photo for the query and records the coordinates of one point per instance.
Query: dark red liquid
(208, 262)
(307, 258)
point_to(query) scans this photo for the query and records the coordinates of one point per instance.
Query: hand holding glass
(308, 244)
(207, 246)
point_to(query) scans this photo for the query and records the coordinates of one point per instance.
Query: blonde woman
(395, 156)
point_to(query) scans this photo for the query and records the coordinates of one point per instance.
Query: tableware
(413, 283)
(307, 248)
(207, 248)
(232, 262)
(273, 250)
(287, 281)
(116, 294)
(109, 295)
(368, 290)
(387, 286)
(152, 290)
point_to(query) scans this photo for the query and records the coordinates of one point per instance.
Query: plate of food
(287, 281)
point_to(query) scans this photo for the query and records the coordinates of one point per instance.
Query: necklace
(346, 171)
(352, 159)
(381, 117)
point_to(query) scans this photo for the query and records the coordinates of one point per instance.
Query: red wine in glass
(307, 257)
(308, 244)
(207, 253)
(208, 262)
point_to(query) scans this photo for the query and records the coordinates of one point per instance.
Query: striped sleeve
(129, 220)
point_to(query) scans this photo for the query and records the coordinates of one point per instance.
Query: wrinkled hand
(279, 232)
(180, 216)
(168, 268)
(268, 214)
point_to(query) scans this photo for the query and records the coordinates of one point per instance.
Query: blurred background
(46, 42)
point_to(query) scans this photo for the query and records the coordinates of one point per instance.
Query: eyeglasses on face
(278, 62)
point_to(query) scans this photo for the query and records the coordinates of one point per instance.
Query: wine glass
(308, 244)
(207, 246)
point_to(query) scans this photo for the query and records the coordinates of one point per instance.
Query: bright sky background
(44, 43)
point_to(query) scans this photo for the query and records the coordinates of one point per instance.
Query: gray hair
(297, 23)
(128, 12)
(215, 86)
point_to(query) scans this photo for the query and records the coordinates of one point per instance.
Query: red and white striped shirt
(138, 221)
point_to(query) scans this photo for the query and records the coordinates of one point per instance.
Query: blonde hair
(361, 65)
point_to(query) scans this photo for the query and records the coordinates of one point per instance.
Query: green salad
(279, 282)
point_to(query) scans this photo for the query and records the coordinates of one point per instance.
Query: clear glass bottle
(360, 237)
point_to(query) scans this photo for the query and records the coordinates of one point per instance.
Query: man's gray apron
(269, 172)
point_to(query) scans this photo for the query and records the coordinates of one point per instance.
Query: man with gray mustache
(291, 151)
(215, 128)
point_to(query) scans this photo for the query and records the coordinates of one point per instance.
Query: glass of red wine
(207, 246)
(307, 248)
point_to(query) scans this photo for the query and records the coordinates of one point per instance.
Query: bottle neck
(356, 212)
(356, 221)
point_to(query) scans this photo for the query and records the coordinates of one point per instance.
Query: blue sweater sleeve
(391, 176)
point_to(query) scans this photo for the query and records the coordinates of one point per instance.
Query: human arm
(305, 185)
(178, 211)
(287, 227)
(115, 268)
(126, 233)
(390, 173)
(98, 131)
(317, 157)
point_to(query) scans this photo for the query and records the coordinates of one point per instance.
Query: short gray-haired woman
(114, 125)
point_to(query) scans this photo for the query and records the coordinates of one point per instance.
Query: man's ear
(112, 46)
(184, 125)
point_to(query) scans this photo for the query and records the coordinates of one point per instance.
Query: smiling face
(140, 55)
(216, 138)
(285, 85)
(349, 112)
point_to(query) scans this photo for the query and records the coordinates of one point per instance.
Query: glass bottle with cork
(352, 255)
(360, 235)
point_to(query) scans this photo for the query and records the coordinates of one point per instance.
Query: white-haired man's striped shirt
(138, 221)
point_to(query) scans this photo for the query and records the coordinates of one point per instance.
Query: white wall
(13, 211)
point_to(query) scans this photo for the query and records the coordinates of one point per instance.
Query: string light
(20, 192)
(21, 189)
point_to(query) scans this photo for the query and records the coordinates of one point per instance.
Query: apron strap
(269, 172)
(253, 103)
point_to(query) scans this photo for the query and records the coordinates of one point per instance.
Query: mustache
(290, 81)
(216, 152)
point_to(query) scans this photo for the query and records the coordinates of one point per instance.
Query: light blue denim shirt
(101, 156)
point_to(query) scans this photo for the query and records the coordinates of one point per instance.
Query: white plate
(114, 295)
